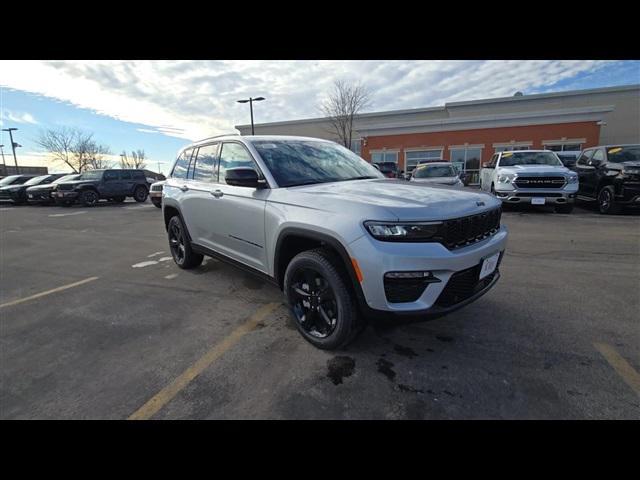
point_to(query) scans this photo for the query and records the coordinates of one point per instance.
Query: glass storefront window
(470, 159)
(414, 157)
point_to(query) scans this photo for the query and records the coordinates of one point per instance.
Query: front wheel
(319, 298)
(180, 246)
(606, 201)
(89, 198)
(140, 194)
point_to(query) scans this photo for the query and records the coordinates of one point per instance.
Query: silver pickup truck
(535, 177)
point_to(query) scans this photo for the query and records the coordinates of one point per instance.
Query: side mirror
(242, 177)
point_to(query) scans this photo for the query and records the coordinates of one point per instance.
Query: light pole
(251, 100)
(4, 164)
(13, 146)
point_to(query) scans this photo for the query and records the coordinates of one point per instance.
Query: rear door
(110, 183)
(197, 200)
(125, 186)
(236, 228)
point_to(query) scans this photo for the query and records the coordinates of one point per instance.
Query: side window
(138, 175)
(492, 162)
(585, 157)
(598, 157)
(125, 175)
(110, 175)
(203, 170)
(182, 165)
(233, 155)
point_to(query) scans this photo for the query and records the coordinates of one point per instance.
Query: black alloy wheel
(140, 194)
(89, 198)
(313, 303)
(179, 246)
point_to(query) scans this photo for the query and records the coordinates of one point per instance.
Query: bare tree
(75, 148)
(137, 159)
(344, 103)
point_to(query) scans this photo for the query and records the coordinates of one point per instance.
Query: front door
(585, 172)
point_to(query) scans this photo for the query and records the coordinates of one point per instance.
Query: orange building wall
(488, 136)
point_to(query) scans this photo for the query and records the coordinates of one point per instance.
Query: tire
(180, 247)
(140, 194)
(606, 201)
(89, 198)
(568, 208)
(119, 199)
(493, 190)
(331, 320)
(157, 202)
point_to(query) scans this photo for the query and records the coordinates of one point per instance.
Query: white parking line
(144, 264)
(164, 259)
(155, 254)
(67, 214)
(173, 275)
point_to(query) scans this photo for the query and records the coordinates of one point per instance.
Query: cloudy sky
(159, 106)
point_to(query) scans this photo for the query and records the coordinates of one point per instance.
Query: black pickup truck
(610, 175)
(94, 185)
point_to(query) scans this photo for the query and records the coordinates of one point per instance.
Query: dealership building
(468, 133)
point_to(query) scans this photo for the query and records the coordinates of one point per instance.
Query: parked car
(94, 185)
(344, 243)
(155, 193)
(610, 175)
(388, 169)
(536, 177)
(12, 189)
(568, 158)
(437, 173)
(43, 192)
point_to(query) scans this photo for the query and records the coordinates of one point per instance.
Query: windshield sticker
(615, 150)
(504, 155)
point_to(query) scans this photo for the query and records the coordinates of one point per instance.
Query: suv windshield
(9, 180)
(67, 178)
(624, 154)
(36, 180)
(303, 162)
(434, 171)
(91, 175)
(510, 159)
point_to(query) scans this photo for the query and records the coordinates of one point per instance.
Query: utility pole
(4, 164)
(13, 147)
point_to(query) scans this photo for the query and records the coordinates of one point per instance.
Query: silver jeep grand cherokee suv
(343, 242)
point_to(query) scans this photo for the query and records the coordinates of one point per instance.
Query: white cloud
(197, 99)
(9, 116)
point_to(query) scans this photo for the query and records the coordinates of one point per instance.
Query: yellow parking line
(167, 393)
(48, 292)
(620, 365)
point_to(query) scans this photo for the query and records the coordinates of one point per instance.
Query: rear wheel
(322, 305)
(140, 194)
(568, 208)
(606, 201)
(180, 246)
(89, 198)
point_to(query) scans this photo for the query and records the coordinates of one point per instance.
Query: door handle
(184, 188)
(217, 193)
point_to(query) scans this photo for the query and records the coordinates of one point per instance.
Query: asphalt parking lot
(121, 332)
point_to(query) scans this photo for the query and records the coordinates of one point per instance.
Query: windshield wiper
(364, 177)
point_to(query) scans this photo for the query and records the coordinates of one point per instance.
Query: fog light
(427, 276)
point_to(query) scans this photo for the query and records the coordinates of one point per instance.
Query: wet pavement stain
(407, 388)
(384, 367)
(405, 351)
(444, 338)
(339, 368)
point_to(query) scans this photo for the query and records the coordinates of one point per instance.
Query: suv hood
(386, 198)
(535, 169)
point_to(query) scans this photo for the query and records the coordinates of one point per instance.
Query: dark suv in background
(94, 185)
(609, 175)
(12, 186)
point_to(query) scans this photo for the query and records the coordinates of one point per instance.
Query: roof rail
(218, 136)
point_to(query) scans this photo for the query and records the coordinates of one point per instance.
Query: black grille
(64, 186)
(540, 182)
(398, 290)
(538, 194)
(460, 232)
(464, 284)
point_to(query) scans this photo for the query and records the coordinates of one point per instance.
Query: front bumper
(375, 258)
(40, 196)
(65, 195)
(155, 194)
(533, 196)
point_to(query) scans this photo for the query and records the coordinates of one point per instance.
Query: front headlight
(403, 232)
(572, 179)
(506, 177)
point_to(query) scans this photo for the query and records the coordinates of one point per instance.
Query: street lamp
(4, 165)
(13, 146)
(251, 100)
